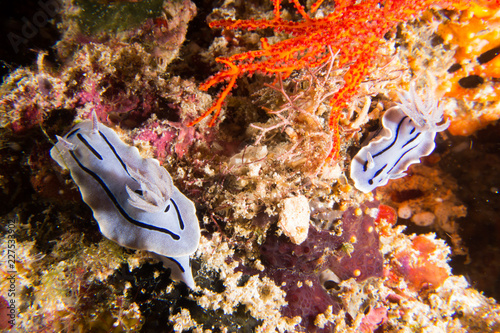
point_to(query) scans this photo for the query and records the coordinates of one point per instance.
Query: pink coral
(170, 137)
(373, 320)
(159, 137)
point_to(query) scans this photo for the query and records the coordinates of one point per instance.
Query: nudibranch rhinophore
(409, 130)
(133, 199)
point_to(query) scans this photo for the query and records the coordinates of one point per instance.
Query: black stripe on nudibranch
(117, 205)
(181, 223)
(85, 142)
(177, 263)
(393, 141)
(401, 157)
(70, 134)
(114, 152)
(167, 209)
(411, 140)
(412, 130)
(379, 171)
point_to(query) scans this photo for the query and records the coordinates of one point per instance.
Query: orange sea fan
(355, 29)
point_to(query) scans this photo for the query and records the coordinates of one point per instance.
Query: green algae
(98, 16)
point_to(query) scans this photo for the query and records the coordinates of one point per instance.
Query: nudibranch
(408, 133)
(132, 198)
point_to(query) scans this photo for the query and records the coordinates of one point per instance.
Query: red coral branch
(355, 29)
(233, 72)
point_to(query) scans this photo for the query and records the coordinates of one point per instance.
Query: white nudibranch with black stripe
(133, 198)
(409, 130)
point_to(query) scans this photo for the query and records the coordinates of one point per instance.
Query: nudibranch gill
(408, 133)
(132, 198)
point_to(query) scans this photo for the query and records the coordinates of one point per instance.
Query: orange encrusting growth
(421, 265)
(475, 32)
(355, 29)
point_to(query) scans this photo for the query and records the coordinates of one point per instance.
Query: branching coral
(354, 29)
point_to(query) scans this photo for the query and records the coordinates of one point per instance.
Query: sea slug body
(133, 199)
(409, 130)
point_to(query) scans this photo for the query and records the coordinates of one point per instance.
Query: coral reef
(479, 228)
(360, 25)
(287, 242)
(118, 81)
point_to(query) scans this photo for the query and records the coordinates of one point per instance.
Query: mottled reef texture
(288, 243)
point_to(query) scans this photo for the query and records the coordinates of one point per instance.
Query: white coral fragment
(294, 218)
(426, 113)
(249, 161)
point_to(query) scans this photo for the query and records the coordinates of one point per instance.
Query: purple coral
(296, 268)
